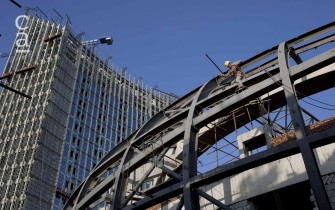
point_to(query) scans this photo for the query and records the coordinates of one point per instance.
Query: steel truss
(273, 80)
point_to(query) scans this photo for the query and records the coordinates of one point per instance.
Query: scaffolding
(64, 78)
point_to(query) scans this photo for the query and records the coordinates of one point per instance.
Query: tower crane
(95, 42)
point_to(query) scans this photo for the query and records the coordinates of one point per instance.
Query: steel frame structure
(203, 106)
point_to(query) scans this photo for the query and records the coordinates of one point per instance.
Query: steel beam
(315, 44)
(191, 107)
(170, 172)
(14, 91)
(198, 120)
(144, 177)
(261, 158)
(120, 182)
(307, 153)
(290, 94)
(224, 171)
(263, 87)
(180, 204)
(213, 200)
(155, 198)
(309, 114)
(190, 156)
(190, 147)
(295, 56)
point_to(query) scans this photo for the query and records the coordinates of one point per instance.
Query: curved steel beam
(190, 147)
(226, 106)
(182, 120)
(255, 91)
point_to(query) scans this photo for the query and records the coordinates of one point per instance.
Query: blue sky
(165, 41)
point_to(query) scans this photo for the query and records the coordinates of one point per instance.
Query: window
(147, 184)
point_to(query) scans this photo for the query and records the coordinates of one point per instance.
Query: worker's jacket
(235, 67)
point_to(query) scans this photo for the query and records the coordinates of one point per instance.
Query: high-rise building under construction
(80, 109)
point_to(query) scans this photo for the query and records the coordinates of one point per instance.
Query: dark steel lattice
(211, 104)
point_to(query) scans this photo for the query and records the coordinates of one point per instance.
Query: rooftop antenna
(174, 95)
(28, 9)
(80, 35)
(53, 20)
(61, 17)
(139, 80)
(123, 70)
(58, 14)
(46, 17)
(108, 60)
(68, 19)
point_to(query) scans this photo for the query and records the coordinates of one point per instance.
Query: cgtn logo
(21, 41)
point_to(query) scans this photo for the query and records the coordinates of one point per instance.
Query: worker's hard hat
(226, 63)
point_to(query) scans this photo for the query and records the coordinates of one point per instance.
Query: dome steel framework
(271, 79)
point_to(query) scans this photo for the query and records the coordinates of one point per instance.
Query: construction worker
(235, 69)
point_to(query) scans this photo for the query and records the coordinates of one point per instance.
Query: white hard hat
(226, 63)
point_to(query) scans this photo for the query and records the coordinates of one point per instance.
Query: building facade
(81, 107)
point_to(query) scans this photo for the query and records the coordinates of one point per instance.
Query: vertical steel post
(300, 131)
